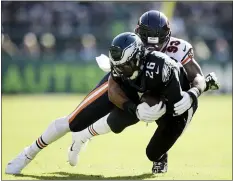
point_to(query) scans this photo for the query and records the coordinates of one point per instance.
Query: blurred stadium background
(50, 47)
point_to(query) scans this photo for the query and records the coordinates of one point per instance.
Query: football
(150, 99)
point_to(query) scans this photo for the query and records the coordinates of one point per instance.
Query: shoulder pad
(180, 50)
(160, 55)
(168, 65)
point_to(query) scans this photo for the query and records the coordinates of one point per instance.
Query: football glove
(150, 114)
(184, 104)
(212, 82)
(103, 63)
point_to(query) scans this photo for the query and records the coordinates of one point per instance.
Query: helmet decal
(124, 55)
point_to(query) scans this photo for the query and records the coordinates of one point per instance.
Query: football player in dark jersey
(135, 70)
(97, 104)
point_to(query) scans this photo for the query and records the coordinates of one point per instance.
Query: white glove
(103, 62)
(150, 114)
(184, 104)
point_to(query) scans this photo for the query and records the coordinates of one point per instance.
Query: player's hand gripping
(150, 114)
(212, 82)
(184, 104)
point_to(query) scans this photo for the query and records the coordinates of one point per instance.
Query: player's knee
(153, 154)
(74, 127)
(115, 127)
(119, 125)
(78, 123)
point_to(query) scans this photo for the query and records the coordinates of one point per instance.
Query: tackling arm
(142, 111)
(117, 96)
(195, 76)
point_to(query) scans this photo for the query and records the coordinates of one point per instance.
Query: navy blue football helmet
(153, 28)
(125, 55)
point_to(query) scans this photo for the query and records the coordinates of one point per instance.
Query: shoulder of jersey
(165, 66)
(155, 55)
(182, 41)
(182, 53)
(159, 55)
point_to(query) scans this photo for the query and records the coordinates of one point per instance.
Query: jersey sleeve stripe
(88, 100)
(186, 60)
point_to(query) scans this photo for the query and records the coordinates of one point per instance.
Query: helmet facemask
(156, 39)
(132, 67)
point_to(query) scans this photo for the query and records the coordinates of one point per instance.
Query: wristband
(194, 93)
(130, 107)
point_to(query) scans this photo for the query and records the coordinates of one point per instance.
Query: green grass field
(203, 152)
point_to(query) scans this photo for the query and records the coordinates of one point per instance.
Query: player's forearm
(115, 94)
(195, 76)
(118, 97)
(199, 83)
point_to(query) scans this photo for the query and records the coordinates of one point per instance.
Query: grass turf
(203, 152)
